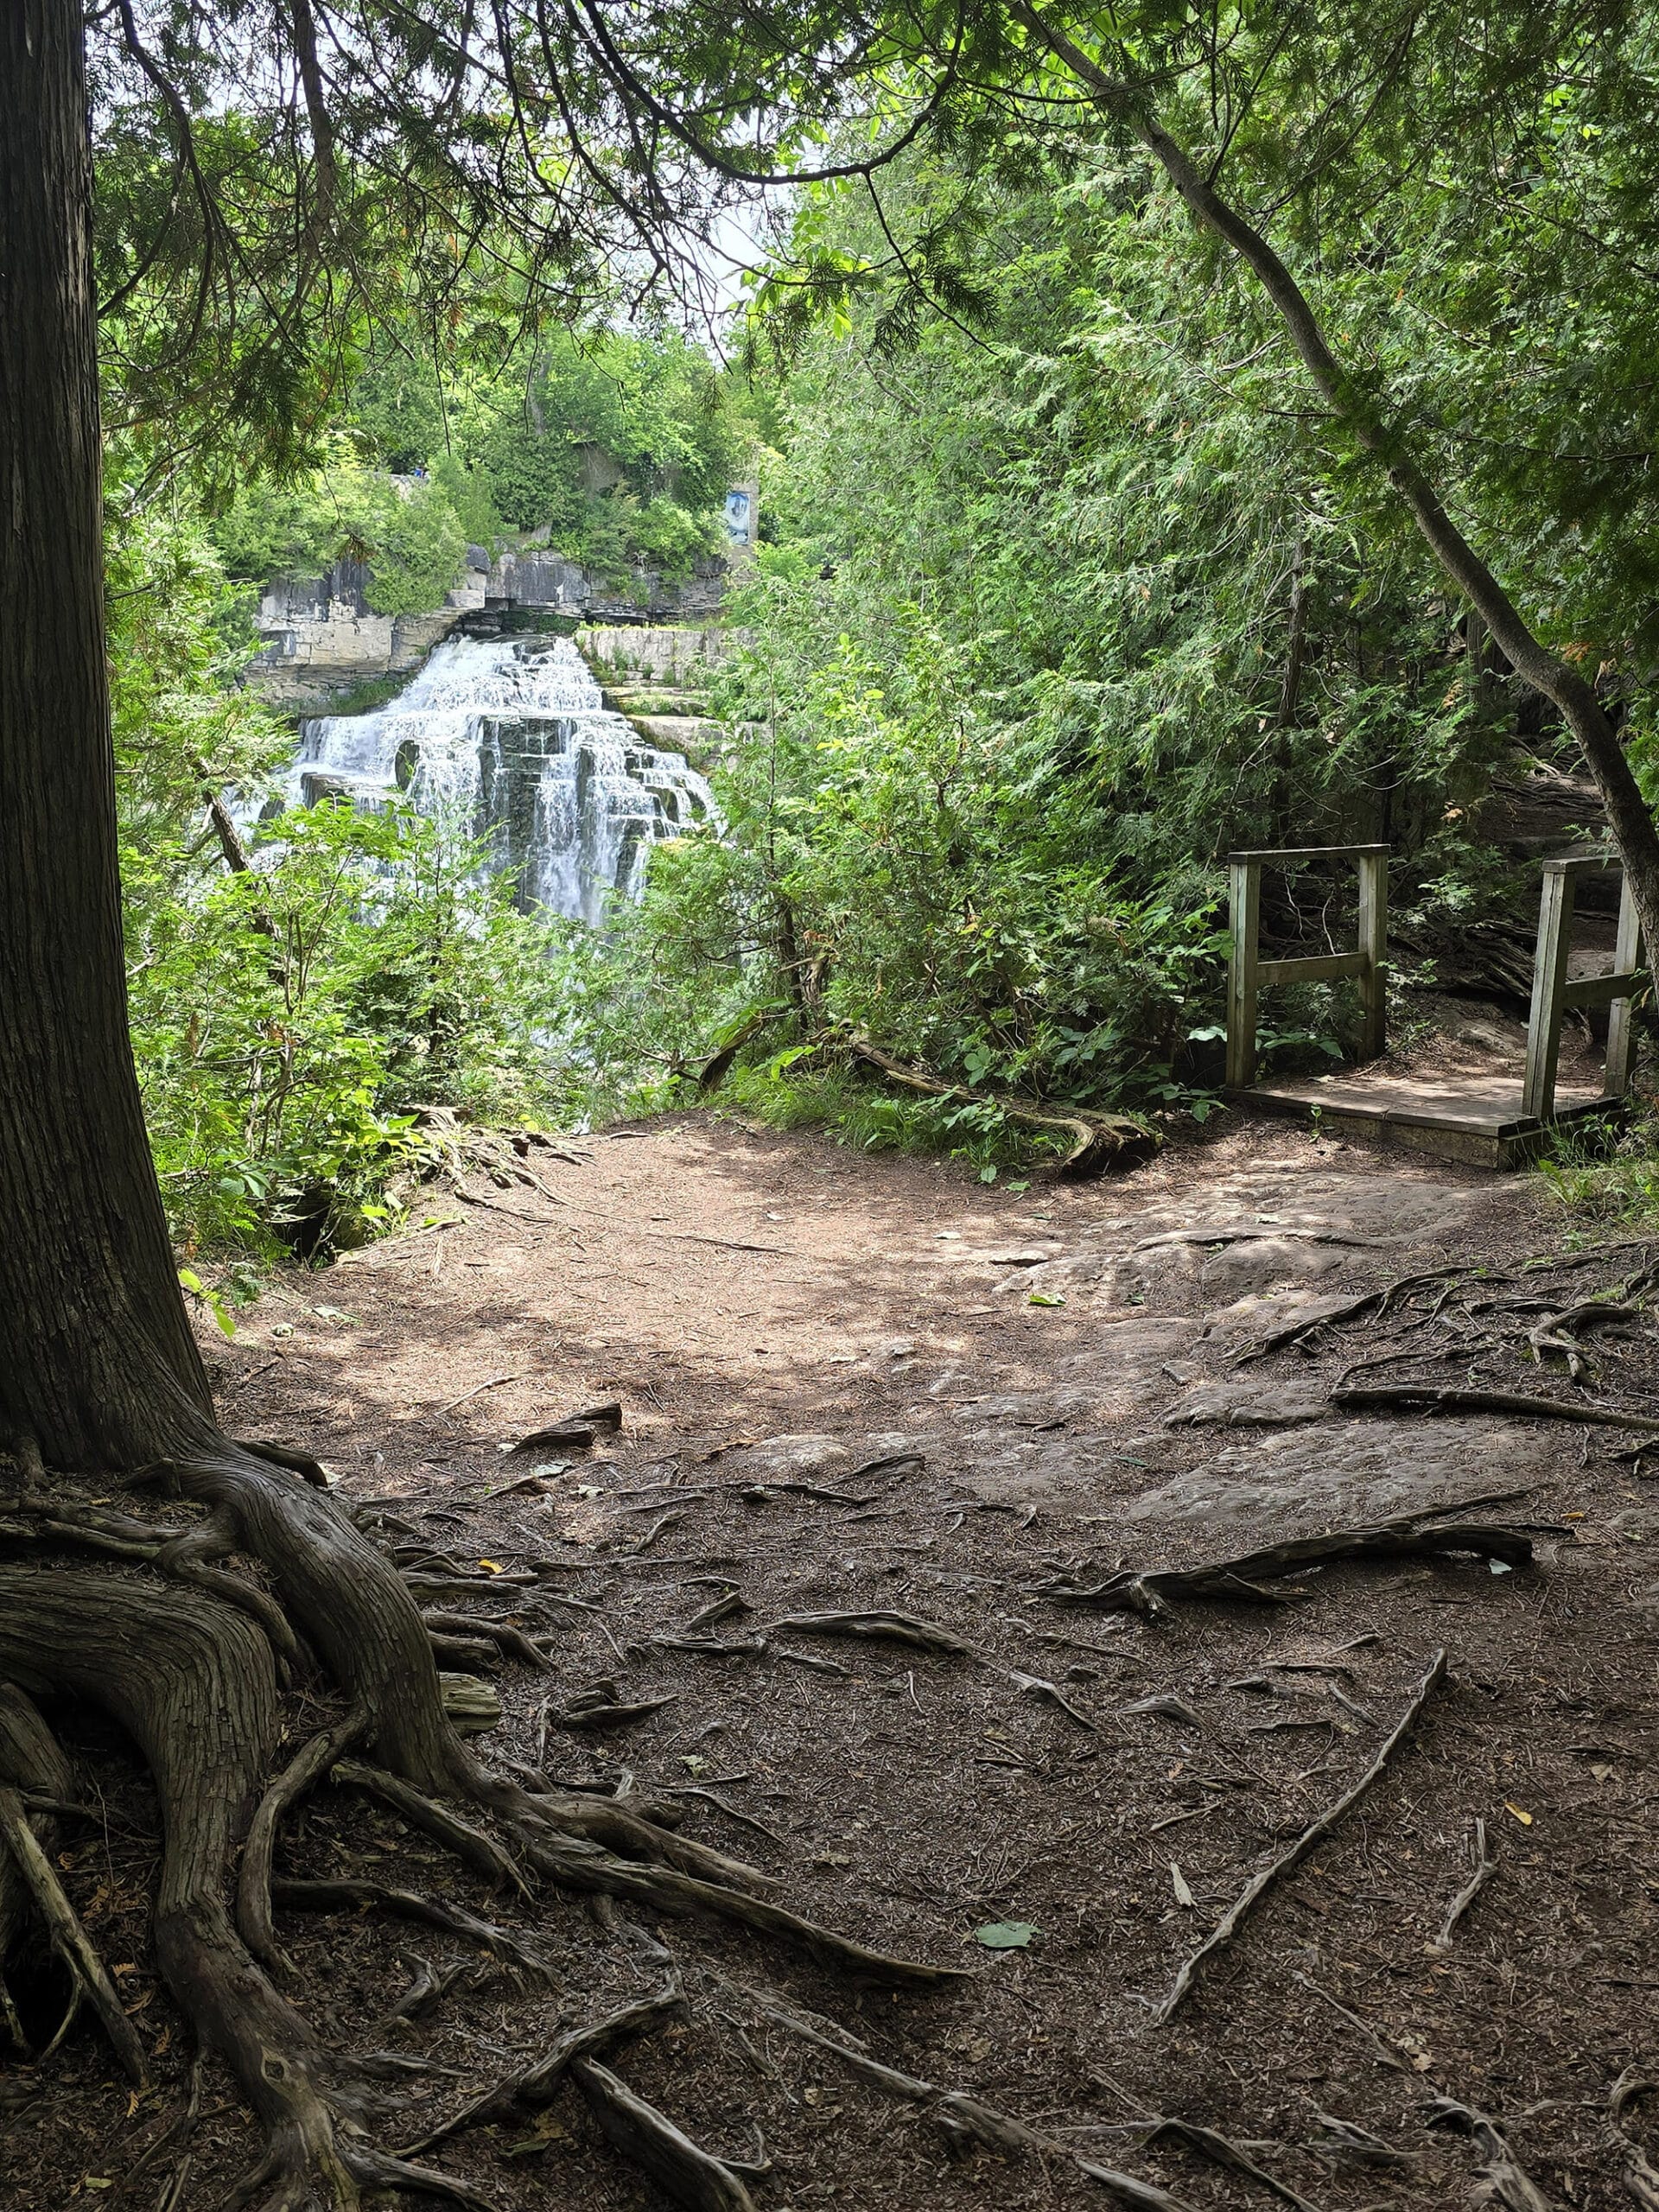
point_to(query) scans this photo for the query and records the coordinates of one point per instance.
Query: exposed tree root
(1217, 2149)
(682, 2168)
(355, 1896)
(1431, 1398)
(537, 2085)
(1637, 2171)
(1503, 2180)
(1412, 1536)
(69, 1938)
(1099, 1141)
(963, 2120)
(1315, 1833)
(189, 1672)
(1485, 1868)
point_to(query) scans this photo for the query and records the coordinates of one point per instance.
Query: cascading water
(509, 740)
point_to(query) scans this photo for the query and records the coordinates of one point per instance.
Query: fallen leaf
(1183, 1894)
(1525, 1819)
(1042, 1298)
(491, 1565)
(1005, 1934)
(1602, 1773)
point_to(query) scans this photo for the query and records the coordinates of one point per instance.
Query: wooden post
(1245, 906)
(1627, 954)
(1374, 943)
(1549, 982)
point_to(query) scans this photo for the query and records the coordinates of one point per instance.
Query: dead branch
(1313, 1834)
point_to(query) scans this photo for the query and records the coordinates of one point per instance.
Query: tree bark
(99, 1368)
(1628, 814)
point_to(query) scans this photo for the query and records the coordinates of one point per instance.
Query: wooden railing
(1249, 971)
(1553, 996)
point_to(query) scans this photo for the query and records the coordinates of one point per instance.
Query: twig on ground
(1312, 1835)
(1485, 1868)
(479, 1388)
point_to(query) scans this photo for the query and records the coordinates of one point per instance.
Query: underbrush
(866, 1119)
(1617, 1186)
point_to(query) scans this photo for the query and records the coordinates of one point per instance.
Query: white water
(508, 739)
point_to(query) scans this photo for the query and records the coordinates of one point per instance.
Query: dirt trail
(869, 1384)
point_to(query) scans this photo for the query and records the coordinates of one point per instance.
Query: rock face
(322, 638)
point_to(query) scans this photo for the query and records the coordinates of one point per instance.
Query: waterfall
(508, 740)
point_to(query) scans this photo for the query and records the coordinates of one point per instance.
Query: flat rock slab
(1347, 1471)
(1249, 1405)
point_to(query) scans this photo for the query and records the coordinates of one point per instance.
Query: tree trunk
(1628, 814)
(99, 1369)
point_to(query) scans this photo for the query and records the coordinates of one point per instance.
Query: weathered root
(578, 1865)
(502, 1634)
(1411, 1536)
(348, 1598)
(1315, 1833)
(1504, 2181)
(1637, 2171)
(1431, 1398)
(1485, 1868)
(69, 1938)
(1098, 1139)
(354, 1896)
(470, 1845)
(963, 2120)
(253, 1887)
(537, 2085)
(193, 1683)
(688, 2173)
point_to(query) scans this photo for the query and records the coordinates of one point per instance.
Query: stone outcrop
(322, 639)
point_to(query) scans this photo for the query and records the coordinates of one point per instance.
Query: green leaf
(1007, 1935)
(1042, 1298)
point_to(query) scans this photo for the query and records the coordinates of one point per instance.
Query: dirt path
(869, 1385)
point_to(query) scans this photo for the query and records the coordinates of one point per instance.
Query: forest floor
(868, 1385)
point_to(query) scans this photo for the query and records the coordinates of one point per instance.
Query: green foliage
(288, 1020)
(407, 532)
